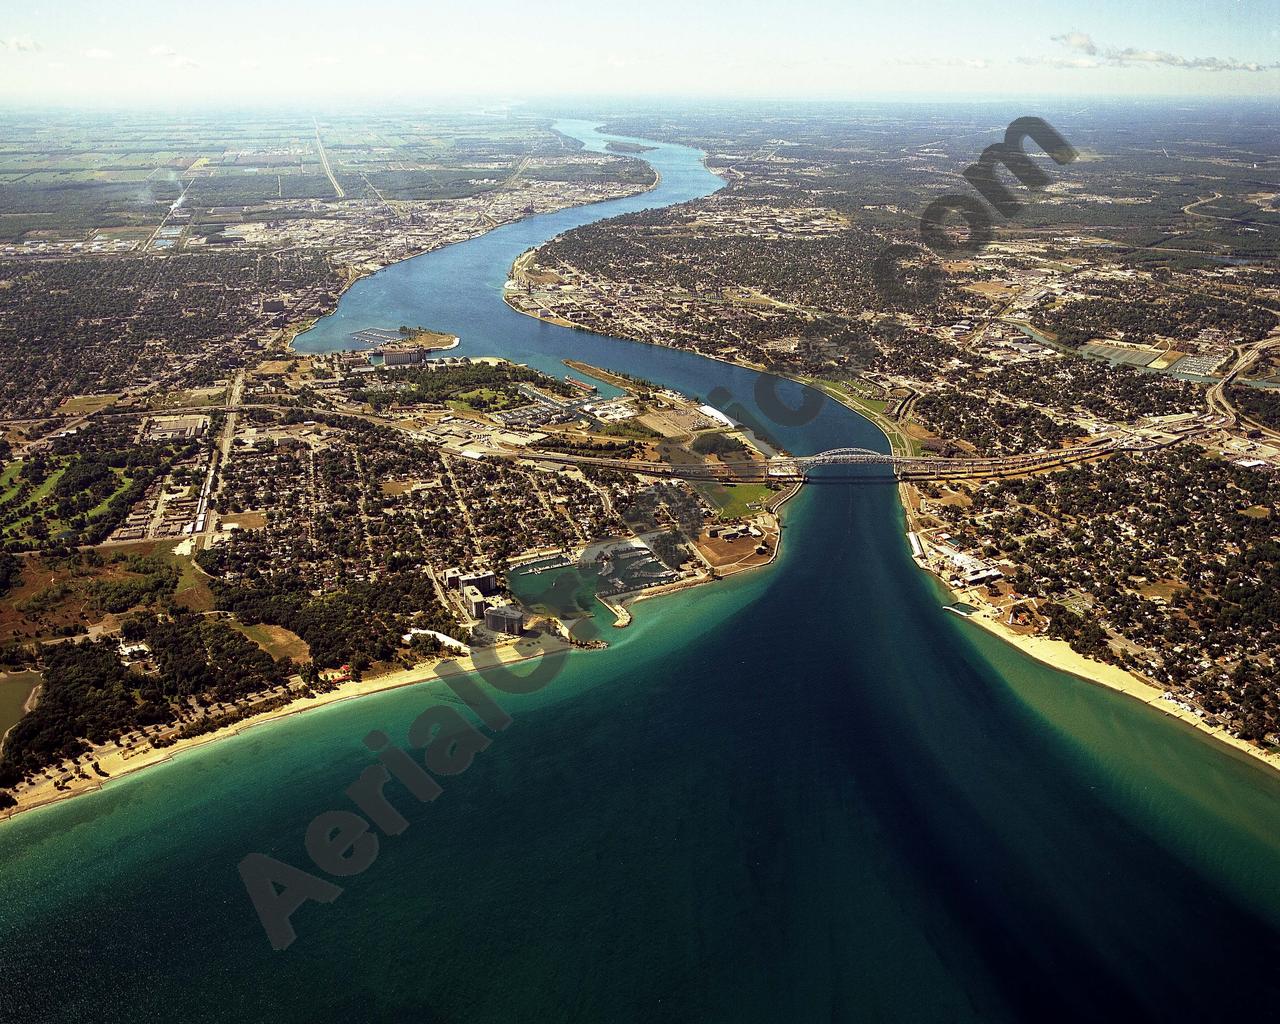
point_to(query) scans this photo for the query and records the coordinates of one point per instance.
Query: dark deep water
(806, 795)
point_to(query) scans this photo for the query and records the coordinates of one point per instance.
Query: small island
(629, 147)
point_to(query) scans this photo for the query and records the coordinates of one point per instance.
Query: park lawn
(275, 640)
(464, 400)
(732, 499)
(193, 587)
(9, 480)
(245, 520)
(81, 404)
(857, 395)
(630, 428)
(56, 526)
(101, 508)
(739, 496)
(187, 399)
(44, 490)
(430, 339)
(17, 526)
(872, 404)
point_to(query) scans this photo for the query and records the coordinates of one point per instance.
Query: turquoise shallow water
(803, 795)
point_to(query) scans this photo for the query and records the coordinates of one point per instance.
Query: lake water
(806, 794)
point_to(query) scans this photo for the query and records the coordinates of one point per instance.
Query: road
(220, 458)
(146, 246)
(1218, 395)
(324, 162)
(785, 468)
(780, 468)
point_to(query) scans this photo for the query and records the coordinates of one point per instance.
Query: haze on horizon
(150, 52)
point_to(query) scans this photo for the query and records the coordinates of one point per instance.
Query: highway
(324, 162)
(785, 468)
(1218, 395)
(779, 468)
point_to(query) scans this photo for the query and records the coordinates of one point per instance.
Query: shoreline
(118, 766)
(113, 760)
(357, 272)
(46, 794)
(1060, 656)
(1057, 654)
(1054, 653)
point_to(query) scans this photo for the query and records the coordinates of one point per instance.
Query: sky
(164, 52)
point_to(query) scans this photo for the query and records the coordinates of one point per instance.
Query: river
(802, 794)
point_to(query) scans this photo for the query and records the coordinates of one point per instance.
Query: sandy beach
(118, 763)
(1059, 654)
(1055, 653)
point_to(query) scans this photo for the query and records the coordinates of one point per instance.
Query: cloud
(1061, 62)
(974, 63)
(179, 61)
(1086, 54)
(19, 44)
(1131, 56)
(97, 53)
(1081, 41)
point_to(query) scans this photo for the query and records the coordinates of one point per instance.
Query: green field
(81, 404)
(275, 640)
(733, 499)
(18, 519)
(193, 590)
(101, 507)
(187, 399)
(483, 400)
(15, 688)
(8, 480)
(16, 526)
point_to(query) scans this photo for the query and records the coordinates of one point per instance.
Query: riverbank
(120, 763)
(358, 271)
(1054, 653)
(899, 442)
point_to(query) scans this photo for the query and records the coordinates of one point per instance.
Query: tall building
(474, 600)
(401, 356)
(505, 619)
(485, 581)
